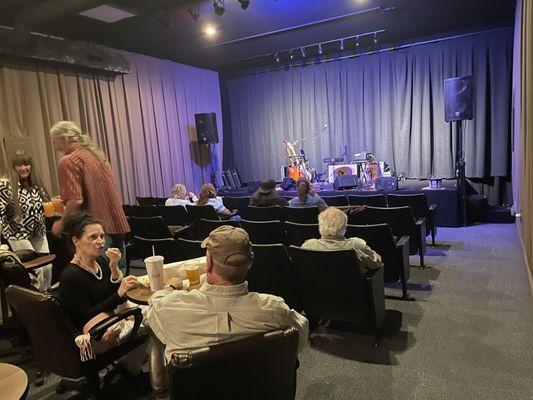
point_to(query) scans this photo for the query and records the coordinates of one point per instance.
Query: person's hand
(114, 255)
(128, 283)
(57, 228)
(176, 282)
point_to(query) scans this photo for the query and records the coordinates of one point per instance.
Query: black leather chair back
(336, 201)
(158, 201)
(205, 226)
(196, 213)
(374, 200)
(144, 211)
(188, 249)
(166, 247)
(150, 227)
(173, 215)
(237, 203)
(417, 202)
(51, 335)
(303, 215)
(272, 273)
(331, 287)
(299, 233)
(273, 213)
(145, 201)
(400, 219)
(265, 232)
(259, 367)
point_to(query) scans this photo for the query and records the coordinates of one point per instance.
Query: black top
(83, 296)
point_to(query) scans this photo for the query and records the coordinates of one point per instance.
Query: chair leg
(432, 237)
(421, 252)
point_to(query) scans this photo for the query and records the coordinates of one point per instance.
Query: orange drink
(193, 273)
(48, 209)
(58, 205)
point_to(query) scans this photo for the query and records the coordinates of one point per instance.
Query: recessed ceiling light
(108, 13)
(210, 31)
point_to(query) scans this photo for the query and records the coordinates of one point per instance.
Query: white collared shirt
(216, 314)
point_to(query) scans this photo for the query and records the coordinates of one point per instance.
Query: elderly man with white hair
(332, 226)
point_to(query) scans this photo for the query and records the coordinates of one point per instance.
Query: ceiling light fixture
(357, 41)
(244, 4)
(375, 40)
(276, 57)
(320, 48)
(219, 7)
(291, 55)
(210, 31)
(341, 46)
(302, 50)
(194, 11)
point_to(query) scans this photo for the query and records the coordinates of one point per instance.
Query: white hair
(332, 223)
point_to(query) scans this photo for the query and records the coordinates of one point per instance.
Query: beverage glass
(58, 205)
(154, 268)
(193, 273)
(48, 209)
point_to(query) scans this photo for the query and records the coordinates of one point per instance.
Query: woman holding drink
(22, 195)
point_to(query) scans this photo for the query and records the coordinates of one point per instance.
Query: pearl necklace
(83, 265)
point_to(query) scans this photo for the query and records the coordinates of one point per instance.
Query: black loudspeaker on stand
(206, 128)
(458, 107)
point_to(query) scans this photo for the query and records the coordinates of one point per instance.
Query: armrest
(432, 207)
(403, 241)
(374, 283)
(184, 231)
(99, 329)
(420, 221)
(158, 240)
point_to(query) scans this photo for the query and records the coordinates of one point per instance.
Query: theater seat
(259, 367)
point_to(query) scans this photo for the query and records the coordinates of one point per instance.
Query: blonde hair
(207, 191)
(72, 132)
(332, 223)
(179, 191)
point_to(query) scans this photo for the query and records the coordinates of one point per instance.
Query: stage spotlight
(375, 40)
(219, 8)
(302, 50)
(357, 41)
(194, 11)
(341, 46)
(320, 48)
(276, 57)
(210, 31)
(291, 55)
(244, 4)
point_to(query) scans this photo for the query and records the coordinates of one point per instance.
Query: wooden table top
(142, 294)
(13, 382)
(39, 261)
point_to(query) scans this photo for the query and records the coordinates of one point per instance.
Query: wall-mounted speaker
(206, 128)
(458, 98)
(342, 182)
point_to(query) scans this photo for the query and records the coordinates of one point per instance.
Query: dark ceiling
(164, 28)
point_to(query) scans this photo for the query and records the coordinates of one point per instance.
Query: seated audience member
(332, 226)
(208, 195)
(266, 195)
(90, 286)
(180, 197)
(306, 196)
(222, 310)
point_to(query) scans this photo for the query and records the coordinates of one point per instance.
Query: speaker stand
(460, 174)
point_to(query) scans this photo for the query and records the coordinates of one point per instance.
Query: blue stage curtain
(389, 103)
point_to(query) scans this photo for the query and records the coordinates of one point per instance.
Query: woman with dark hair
(21, 212)
(305, 197)
(266, 195)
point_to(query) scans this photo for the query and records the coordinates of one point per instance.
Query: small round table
(13, 382)
(142, 294)
(39, 261)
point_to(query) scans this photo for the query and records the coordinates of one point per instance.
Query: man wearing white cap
(222, 310)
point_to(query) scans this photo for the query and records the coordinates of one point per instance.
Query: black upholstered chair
(303, 215)
(207, 211)
(265, 232)
(52, 337)
(145, 201)
(402, 222)
(205, 226)
(273, 213)
(166, 247)
(419, 204)
(159, 201)
(353, 297)
(264, 364)
(394, 252)
(149, 227)
(188, 248)
(299, 233)
(337, 201)
(143, 211)
(237, 203)
(374, 200)
(174, 215)
(272, 273)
